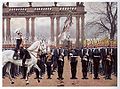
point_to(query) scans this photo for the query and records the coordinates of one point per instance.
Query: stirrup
(15, 58)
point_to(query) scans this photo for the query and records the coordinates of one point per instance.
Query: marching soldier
(49, 64)
(90, 67)
(115, 60)
(96, 60)
(108, 67)
(84, 61)
(60, 63)
(73, 63)
(55, 52)
(103, 58)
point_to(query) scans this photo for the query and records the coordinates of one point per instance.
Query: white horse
(7, 57)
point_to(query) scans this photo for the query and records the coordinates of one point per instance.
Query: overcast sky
(42, 24)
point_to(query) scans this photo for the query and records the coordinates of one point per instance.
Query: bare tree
(107, 20)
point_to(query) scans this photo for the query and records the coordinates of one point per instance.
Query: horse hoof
(27, 83)
(38, 80)
(12, 82)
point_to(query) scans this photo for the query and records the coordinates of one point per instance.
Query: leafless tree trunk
(107, 20)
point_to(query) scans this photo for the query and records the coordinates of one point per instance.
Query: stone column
(58, 30)
(8, 34)
(3, 32)
(32, 28)
(27, 28)
(82, 30)
(77, 31)
(52, 29)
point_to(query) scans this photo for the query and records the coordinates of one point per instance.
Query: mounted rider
(20, 50)
(19, 41)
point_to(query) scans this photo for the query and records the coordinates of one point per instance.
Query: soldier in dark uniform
(90, 67)
(19, 40)
(60, 63)
(96, 61)
(103, 58)
(84, 61)
(24, 54)
(108, 66)
(115, 60)
(73, 64)
(49, 64)
(109, 63)
(55, 52)
(40, 62)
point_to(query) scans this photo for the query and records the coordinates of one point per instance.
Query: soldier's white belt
(17, 38)
(74, 56)
(96, 56)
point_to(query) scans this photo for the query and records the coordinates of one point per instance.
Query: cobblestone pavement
(66, 82)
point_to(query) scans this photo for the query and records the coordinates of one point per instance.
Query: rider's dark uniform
(18, 40)
(18, 43)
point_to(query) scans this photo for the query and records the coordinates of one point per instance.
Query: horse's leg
(36, 66)
(28, 70)
(4, 66)
(9, 74)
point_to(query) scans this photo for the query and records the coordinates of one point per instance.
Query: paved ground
(66, 82)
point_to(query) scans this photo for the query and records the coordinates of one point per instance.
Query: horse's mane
(34, 46)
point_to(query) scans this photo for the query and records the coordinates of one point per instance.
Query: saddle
(22, 54)
(16, 55)
(27, 54)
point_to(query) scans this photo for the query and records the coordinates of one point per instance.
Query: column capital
(8, 18)
(52, 17)
(58, 17)
(32, 18)
(82, 16)
(27, 18)
(77, 17)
